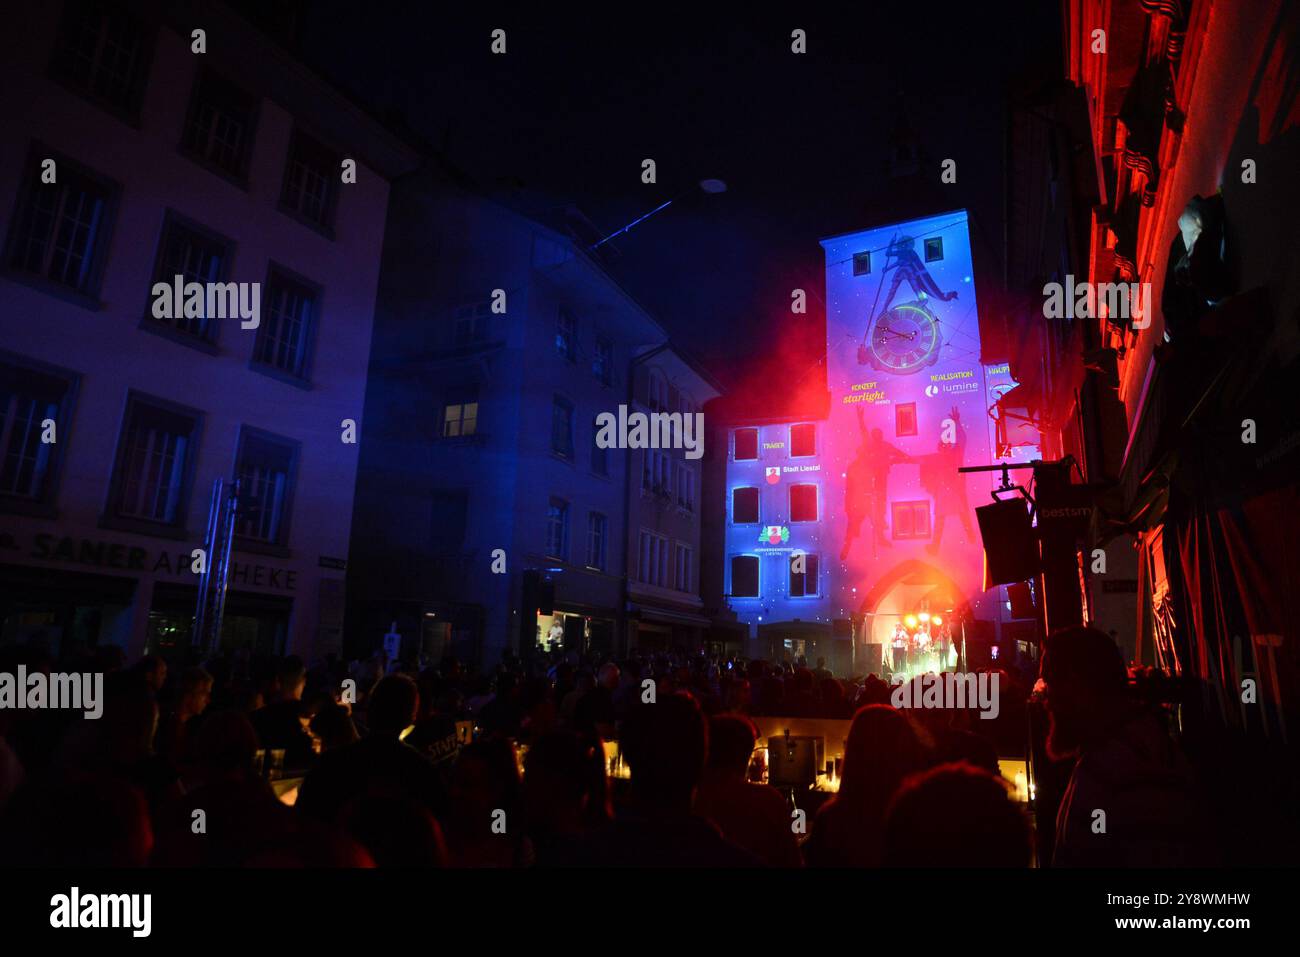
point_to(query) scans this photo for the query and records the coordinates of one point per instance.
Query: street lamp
(710, 186)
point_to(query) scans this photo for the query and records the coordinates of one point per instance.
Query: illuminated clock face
(905, 339)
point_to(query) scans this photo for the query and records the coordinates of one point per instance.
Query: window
(28, 397)
(686, 488)
(656, 473)
(652, 566)
(934, 249)
(597, 535)
(905, 418)
(911, 519)
(803, 584)
(557, 529)
(744, 506)
(103, 53)
(744, 576)
(566, 335)
(288, 320)
(195, 255)
(154, 459)
(265, 467)
(472, 323)
(746, 445)
(861, 263)
(60, 230)
(460, 414)
(562, 427)
(682, 567)
(602, 363)
(657, 400)
(599, 456)
(219, 127)
(310, 175)
(803, 439)
(803, 503)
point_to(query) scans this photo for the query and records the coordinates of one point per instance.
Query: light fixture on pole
(705, 185)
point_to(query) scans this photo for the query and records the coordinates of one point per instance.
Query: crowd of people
(402, 765)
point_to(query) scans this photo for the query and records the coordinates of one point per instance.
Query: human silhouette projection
(940, 478)
(867, 486)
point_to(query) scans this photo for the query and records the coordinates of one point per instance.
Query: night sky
(801, 140)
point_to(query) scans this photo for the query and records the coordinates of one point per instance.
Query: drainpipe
(627, 504)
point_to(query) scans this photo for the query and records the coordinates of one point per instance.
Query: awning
(668, 616)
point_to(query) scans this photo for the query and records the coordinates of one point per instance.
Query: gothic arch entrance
(910, 587)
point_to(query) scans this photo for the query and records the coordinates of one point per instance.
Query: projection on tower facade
(909, 406)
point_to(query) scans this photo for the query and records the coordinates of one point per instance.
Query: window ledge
(238, 181)
(52, 288)
(140, 527)
(287, 378)
(251, 547)
(20, 506)
(321, 229)
(152, 326)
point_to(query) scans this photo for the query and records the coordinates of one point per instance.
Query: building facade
(851, 520)
(1175, 404)
(137, 152)
(489, 520)
(664, 603)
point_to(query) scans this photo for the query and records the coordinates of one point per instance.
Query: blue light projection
(892, 525)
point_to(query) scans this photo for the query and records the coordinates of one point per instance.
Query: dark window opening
(803, 439)
(744, 576)
(744, 506)
(911, 519)
(803, 584)
(746, 445)
(803, 503)
(905, 418)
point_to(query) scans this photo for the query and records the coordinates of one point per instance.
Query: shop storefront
(565, 631)
(67, 591)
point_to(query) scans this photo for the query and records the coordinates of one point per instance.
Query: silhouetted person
(665, 745)
(485, 824)
(194, 691)
(244, 824)
(948, 486)
(279, 722)
(565, 794)
(71, 818)
(752, 816)
(379, 764)
(956, 816)
(594, 713)
(396, 831)
(1129, 776)
(154, 671)
(882, 750)
(866, 487)
(332, 724)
